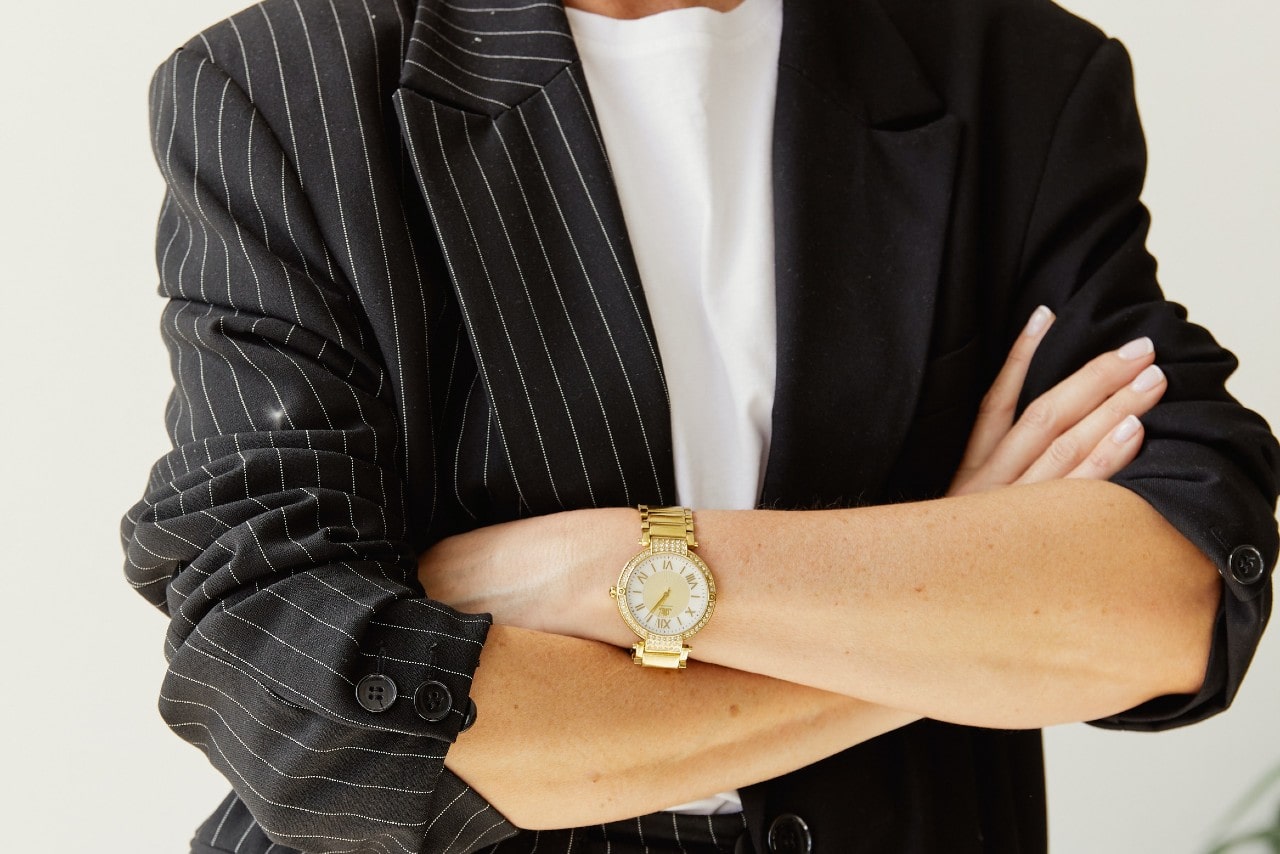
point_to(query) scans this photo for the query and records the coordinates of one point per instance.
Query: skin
(640, 8)
(962, 609)
(630, 741)
(1021, 608)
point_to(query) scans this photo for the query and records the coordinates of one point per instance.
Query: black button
(375, 692)
(470, 717)
(432, 701)
(789, 835)
(1246, 564)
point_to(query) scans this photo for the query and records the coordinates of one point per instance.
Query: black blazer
(401, 303)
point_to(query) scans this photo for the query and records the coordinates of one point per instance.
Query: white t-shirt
(685, 100)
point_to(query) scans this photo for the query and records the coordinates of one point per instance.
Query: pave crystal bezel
(662, 545)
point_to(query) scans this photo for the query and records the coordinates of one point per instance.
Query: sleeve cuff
(417, 679)
(1242, 542)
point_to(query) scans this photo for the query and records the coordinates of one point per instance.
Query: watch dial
(667, 594)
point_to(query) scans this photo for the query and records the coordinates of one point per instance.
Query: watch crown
(613, 593)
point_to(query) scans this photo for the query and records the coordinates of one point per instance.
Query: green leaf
(1269, 835)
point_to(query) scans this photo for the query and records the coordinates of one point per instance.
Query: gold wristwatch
(665, 593)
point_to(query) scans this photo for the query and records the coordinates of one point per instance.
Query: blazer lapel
(504, 143)
(865, 158)
(505, 147)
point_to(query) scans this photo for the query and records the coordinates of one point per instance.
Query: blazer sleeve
(273, 533)
(1210, 466)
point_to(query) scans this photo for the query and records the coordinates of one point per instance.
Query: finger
(995, 414)
(1065, 405)
(1115, 451)
(1066, 452)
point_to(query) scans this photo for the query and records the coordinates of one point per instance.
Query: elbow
(1179, 649)
(1163, 647)
(1181, 591)
(1196, 629)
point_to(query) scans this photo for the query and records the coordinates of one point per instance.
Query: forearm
(570, 732)
(1021, 607)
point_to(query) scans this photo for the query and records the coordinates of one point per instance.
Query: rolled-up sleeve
(1208, 465)
(273, 533)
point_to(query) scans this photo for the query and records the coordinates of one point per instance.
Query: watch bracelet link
(673, 523)
(670, 660)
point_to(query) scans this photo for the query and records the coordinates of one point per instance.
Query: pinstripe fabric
(231, 828)
(275, 533)
(516, 188)
(401, 303)
(314, 348)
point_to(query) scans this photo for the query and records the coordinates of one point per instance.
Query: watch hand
(661, 599)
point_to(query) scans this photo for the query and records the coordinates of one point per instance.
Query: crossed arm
(274, 537)
(1017, 601)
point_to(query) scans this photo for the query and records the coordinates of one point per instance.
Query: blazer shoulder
(1038, 21)
(973, 42)
(280, 51)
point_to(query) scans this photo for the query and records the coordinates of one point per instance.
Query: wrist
(666, 593)
(608, 538)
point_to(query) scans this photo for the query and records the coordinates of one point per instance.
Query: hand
(1086, 426)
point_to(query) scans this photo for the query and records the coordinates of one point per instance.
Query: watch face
(666, 594)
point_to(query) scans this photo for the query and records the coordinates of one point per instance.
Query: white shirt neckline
(672, 27)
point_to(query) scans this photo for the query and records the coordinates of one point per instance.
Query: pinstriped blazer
(401, 303)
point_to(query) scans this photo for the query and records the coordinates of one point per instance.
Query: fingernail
(1125, 429)
(1136, 349)
(1039, 320)
(1149, 378)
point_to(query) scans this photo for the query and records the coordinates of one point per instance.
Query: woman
(404, 257)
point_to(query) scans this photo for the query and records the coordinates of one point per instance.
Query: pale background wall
(87, 761)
